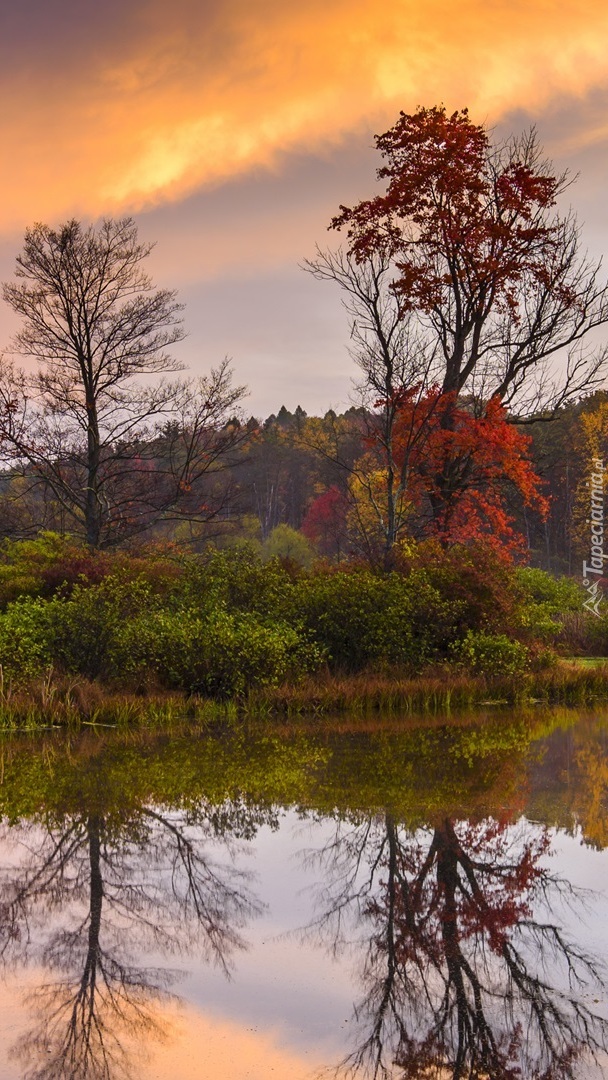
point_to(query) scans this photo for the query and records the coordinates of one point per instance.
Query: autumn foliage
(325, 521)
(465, 285)
(455, 214)
(461, 465)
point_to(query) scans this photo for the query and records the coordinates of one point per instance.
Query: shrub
(226, 622)
(221, 655)
(234, 580)
(74, 633)
(362, 618)
(119, 630)
(481, 581)
(558, 594)
(289, 544)
(489, 654)
(52, 564)
(24, 563)
(26, 638)
(547, 603)
(85, 625)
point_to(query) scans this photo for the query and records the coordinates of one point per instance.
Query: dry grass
(565, 684)
(55, 701)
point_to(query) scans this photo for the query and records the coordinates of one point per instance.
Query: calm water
(391, 900)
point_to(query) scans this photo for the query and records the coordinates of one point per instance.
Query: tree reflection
(88, 895)
(467, 972)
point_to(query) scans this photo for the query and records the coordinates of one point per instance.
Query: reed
(368, 693)
(54, 701)
(58, 702)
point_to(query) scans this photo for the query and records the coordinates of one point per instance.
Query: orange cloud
(184, 95)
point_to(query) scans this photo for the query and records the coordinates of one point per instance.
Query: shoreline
(60, 701)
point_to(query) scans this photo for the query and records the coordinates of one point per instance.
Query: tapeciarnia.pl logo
(595, 566)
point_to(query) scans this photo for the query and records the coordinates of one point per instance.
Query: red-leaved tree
(463, 275)
(460, 473)
(480, 254)
(325, 522)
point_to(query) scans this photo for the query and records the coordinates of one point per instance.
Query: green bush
(559, 594)
(85, 625)
(119, 630)
(26, 638)
(289, 544)
(234, 580)
(51, 565)
(473, 576)
(227, 621)
(221, 655)
(493, 596)
(24, 563)
(364, 619)
(489, 654)
(74, 633)
(546, 603)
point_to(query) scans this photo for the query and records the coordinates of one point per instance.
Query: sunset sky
(232, 130)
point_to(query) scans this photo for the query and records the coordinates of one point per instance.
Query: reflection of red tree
(479, 886)
(457, 978)
(468, 888)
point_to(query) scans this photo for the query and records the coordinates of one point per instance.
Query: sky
(233, 129)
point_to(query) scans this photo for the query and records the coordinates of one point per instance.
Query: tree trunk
(93, 516)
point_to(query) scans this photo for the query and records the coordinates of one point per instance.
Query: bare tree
(393, 359)
(116, 447)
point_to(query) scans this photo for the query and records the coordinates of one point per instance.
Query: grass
(587, 661)
(59, 702)
(54, 701)
(564, 684)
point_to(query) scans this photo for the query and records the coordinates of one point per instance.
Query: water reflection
(466, 971)
(89, 896)
(121, 858)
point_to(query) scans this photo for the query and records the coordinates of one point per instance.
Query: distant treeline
(290, 489)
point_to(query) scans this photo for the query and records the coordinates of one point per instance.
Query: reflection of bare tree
(89, 895)
(467, 974)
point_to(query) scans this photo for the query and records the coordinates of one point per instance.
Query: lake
(368, 898)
